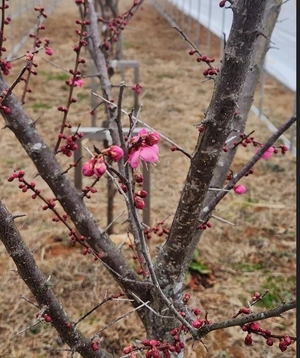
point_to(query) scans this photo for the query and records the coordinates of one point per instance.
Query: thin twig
(115, 219)
(221, 219)
(119, 318)
(110, 298)
(213, 203)
(145, 125)
(150, 308)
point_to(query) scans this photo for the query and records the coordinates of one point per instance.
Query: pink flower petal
(134, 158)
(239, 189)
(142, 132)
(87, 169)
(148, 154)
(268, 154)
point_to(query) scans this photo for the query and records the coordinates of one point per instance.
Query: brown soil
(256, 254)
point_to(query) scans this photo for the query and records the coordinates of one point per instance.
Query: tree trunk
(234, 88)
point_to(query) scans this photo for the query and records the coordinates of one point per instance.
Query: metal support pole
(208, 28)
(198, 32)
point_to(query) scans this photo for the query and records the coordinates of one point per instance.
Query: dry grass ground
(256, 254)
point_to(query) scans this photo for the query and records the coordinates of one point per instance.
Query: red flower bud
(139, 202)
(248, 340)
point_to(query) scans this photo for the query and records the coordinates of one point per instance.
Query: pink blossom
(99, 168)
(79, 82)
(88, 168)
(267, 154)
(49, 51)
(152, 138)
(114, 152)
(94, 166)
(239, 189)
(142, 148)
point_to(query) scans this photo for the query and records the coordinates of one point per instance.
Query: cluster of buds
(198, 322)
(38, 42)
(211, 70)
(81, 33)
(139, 203)
(24, 185)
(205, 226)
(246, 139)
(5, 66)
(48, 50)
(41, 10)
(6, 6)
(70, 144)
(254, 328)
(157, 349)
(114, 27)
(137, 88)
(89, 189)
(97, 166)
(159, 230)
(30, 64)
(50, 204)
(4, 109)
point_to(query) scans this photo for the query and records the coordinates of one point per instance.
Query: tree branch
(40, 288)
(240, 321)
(70, 199)
(229, 83)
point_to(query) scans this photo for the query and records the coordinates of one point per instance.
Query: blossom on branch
(239, 189)
(94, 166)
(267, 154)
(137, 88)
(143, 147)
(114, 152)
(79, 82)
(49, 51)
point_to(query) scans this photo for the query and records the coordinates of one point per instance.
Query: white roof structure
(281, 58)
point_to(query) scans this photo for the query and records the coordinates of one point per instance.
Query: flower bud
(87, 169)
(99, 168)
(239, 189)
(248, 340)
(139, 202)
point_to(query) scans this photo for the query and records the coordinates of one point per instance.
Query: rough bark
(246, 27)
(239, 121)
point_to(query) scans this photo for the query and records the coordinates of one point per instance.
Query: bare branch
(274, 312)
